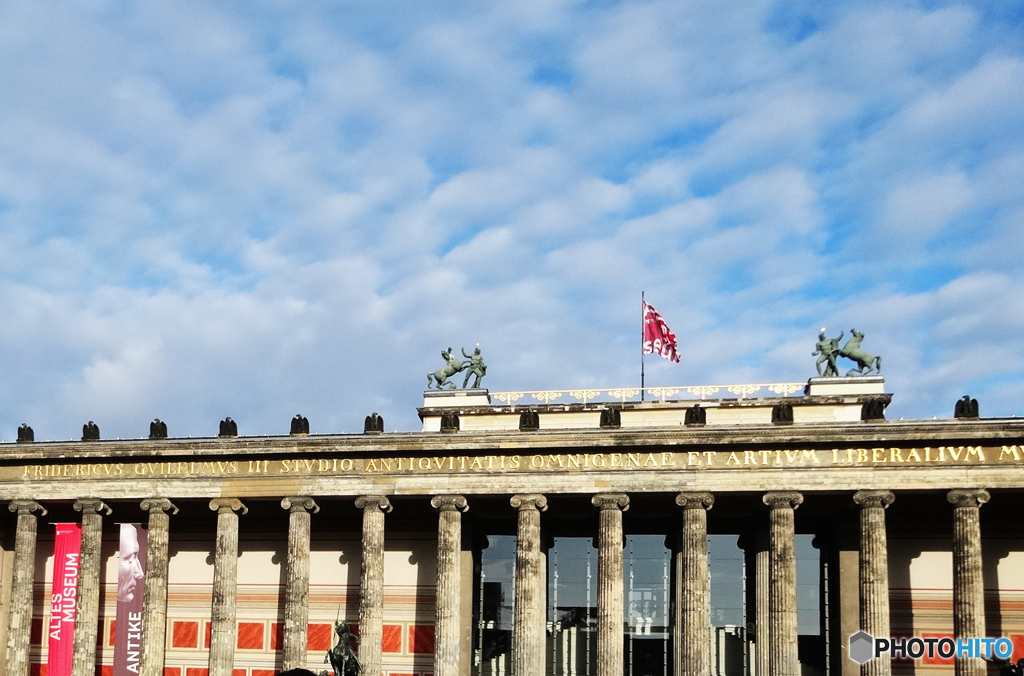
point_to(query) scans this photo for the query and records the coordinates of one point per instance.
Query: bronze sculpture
(299, 426)
(451, 367)
(158, 429)
(90, 432)
(477, 367)
(228, 428)
(343, 656)
(865, 361)
(828, 348)
(374, 424)
(966, 408)
(25, 434)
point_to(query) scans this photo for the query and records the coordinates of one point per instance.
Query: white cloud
(294, 208)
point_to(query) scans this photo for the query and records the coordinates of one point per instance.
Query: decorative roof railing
(625, 394)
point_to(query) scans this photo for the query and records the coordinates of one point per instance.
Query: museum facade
(558, 533)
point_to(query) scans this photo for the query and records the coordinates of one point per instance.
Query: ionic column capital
(695, 500)
(449, 503)
(968, 497)
(783, 499)
(617, 501)
(158, 506)
(300, 503)
(873, 499)
(26, 507)
(228, 506)
(94, 505)
(368, 503)
(529, 501)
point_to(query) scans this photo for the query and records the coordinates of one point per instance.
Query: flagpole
(643, 302)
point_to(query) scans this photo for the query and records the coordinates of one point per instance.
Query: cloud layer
(265, 208)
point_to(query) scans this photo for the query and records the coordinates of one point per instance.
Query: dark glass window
(647, 571)
(493, 613)
(572, 607)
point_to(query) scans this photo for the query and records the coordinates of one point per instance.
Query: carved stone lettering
(571, 463)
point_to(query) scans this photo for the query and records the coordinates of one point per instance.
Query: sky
(257, 209)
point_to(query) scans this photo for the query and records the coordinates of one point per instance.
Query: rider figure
(477, 367)
(828, 348)
(342, 656)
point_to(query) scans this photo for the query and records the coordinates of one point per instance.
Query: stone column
(693, 601)
(783, 659)
(154, 595)
(225, 585)
(371, 586)
(762, 600)
(528, 646)
(20, 621)
(296, 591)
(874, 573)
(447, 630)
(83, 661)
(968, 583)
(609, 582)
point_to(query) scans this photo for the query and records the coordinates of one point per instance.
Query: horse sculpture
(865, 362)
(441, 376)
(343, 657)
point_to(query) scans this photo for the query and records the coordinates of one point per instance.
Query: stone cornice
(824, 435)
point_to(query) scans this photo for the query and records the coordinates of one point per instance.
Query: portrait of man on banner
(131, 575)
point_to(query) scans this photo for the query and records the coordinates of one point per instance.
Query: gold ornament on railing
(744, 390)
(703, 391)
(584, 395)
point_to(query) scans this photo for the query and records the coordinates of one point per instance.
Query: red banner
(67, 550)
(131, 574)
(658, 338)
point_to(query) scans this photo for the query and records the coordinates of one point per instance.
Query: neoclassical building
(569, 533)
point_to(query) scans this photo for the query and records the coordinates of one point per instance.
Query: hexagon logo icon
(862, 647)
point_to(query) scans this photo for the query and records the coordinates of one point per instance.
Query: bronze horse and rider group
(829, 350)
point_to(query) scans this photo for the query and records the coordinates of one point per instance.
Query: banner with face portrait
(131, 575)
(67, 549)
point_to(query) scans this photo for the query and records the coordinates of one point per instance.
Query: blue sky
(257, 209)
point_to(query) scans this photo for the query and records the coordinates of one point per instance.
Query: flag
(658, 338)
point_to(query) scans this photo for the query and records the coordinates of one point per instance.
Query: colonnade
(776, 611)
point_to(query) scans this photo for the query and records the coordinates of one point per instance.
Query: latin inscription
(570, 463)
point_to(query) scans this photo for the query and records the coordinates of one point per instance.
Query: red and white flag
(658, 338)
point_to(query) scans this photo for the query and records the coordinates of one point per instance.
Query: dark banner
(131, 574)
(67, 549)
